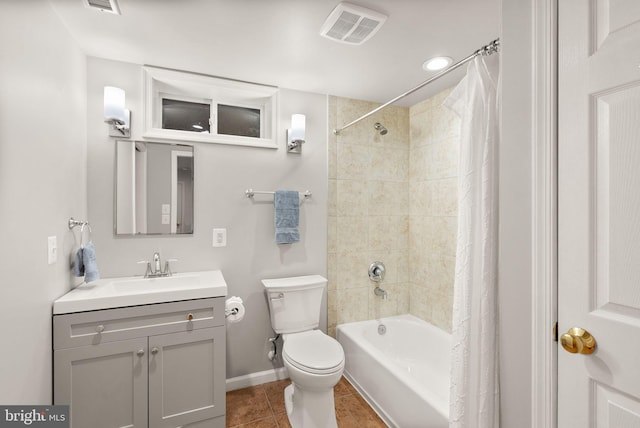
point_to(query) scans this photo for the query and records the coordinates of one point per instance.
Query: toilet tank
(294, 303)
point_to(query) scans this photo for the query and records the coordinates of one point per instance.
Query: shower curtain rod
(489, 49)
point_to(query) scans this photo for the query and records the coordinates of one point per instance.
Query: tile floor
(262, 406)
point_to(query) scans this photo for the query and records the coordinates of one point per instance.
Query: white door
(599, 212)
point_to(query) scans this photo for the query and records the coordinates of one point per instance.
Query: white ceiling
(277, 42)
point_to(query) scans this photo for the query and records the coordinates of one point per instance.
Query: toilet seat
(313, 352)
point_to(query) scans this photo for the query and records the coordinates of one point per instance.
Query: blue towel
(78, 264)
(89, 261)
(287, 211)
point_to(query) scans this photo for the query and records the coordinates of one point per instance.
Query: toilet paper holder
(234, 309)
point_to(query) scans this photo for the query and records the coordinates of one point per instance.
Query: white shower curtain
(474, 393)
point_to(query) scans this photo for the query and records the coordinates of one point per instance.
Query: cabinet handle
(154, 350)
(100, 328)
(190, 317)
(140, 353)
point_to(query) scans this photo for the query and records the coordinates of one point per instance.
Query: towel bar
(250, 193)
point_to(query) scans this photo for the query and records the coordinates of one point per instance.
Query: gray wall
(222, 173)
(42, 184)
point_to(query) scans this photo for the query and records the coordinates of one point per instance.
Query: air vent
(110, 6)
(352, 24)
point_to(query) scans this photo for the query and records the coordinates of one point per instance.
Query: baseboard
(257, 378)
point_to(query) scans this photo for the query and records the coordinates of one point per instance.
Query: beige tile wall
(368, 211)
(392, 198)
(433, 169)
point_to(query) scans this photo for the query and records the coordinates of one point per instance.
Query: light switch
(219, 237)
(52, 249)
(166, 208)
(166, 219)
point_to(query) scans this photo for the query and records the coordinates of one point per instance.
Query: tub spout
(380, 292)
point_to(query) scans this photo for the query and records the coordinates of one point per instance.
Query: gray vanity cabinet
(105, 384)
(155, 366)
(182, 371)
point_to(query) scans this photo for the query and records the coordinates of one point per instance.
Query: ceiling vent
(352, 24)
(110, 6)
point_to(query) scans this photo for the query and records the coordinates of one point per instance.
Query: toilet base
(310, 409)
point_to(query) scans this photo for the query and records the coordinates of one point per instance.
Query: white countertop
(110, 293)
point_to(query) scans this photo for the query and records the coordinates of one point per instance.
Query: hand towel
(78, 264)
(90, 265)
(287, 207)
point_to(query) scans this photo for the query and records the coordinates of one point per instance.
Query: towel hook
(73, 223)
(86, 223)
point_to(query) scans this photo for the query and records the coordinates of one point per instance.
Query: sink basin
(131, 291)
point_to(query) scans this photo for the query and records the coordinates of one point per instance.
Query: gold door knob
(578, 341)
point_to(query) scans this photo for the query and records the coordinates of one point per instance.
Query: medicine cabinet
(153, 189)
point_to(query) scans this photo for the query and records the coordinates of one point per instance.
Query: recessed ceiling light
(437, 63)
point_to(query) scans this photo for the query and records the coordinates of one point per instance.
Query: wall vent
(352, 24)
(110, 6)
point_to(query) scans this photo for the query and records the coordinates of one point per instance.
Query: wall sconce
(295, 135)
(114, 112)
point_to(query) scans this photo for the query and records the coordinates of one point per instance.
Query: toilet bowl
(313, 360)
(315, 363)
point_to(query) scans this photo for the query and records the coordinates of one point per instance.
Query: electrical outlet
(52, 249)
(219, 237)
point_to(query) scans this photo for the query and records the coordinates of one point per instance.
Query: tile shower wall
(433, 170)
(392, 198)
(368, 212)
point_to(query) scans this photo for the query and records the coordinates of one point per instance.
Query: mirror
(154, 188)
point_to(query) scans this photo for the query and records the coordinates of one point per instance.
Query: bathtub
(403, 373)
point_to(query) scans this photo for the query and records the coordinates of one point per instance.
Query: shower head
(380, 128)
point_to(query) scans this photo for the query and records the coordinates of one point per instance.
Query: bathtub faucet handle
(376, 271)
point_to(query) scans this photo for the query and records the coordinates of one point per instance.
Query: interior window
(185, 115)
(194, 107)
(240, 121)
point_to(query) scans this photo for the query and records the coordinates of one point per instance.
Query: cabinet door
(186, 377)
(105, 384)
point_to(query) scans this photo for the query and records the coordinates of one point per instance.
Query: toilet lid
(313, 351)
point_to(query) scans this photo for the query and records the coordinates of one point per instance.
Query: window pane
(240, 121)
(185, 116)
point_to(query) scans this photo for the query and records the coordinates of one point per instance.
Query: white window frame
(162, 83)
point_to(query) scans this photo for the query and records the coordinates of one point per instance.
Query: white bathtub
(404, 373)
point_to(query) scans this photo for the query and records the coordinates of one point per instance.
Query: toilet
(314, 361)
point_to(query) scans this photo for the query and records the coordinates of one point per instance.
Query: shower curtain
(474, 394)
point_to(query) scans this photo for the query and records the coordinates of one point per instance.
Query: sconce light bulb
(297, 127)
(114, 101)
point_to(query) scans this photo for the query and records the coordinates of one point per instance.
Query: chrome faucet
(156, 262)
(156, 270)
(376, 274)
(380, 292)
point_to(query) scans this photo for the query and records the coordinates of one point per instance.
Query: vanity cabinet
(155, 366)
